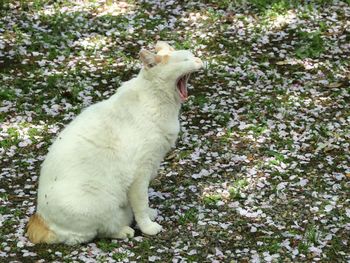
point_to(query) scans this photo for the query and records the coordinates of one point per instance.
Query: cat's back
(81, 135)
(97, 127)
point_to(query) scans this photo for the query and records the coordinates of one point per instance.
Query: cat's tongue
(182, 87)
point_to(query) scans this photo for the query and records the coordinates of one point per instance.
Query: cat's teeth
(188, 77)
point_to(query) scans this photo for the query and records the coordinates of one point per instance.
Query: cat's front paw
(152, 213)
(151, 228)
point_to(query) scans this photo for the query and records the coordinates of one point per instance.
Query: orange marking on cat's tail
(38, 231)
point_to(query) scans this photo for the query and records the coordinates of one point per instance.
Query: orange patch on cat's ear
(163, 46)
(165, 59)
(148, 58)
(162, 59)
(159, 58)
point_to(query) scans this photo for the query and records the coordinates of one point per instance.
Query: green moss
(7, 94)
(120, 256)
(189, 216)
(107, 245)
(212, 199)
(236, 188)
(311, 45)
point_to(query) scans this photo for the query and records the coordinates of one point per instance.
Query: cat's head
(170, 67)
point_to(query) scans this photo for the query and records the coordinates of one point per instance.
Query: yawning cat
(95, 177)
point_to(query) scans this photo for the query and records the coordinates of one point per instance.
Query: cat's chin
(181, 85)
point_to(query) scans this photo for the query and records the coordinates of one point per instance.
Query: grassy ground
(261, 169)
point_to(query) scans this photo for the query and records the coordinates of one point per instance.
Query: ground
(261, 170)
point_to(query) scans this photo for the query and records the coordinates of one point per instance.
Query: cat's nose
(199, 62)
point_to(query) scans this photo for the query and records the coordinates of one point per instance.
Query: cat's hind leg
(124, 232)
(73, 238)
(119, 225)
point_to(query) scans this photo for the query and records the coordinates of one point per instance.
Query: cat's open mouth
(182, 86)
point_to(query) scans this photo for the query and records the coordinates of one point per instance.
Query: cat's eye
(151, 65)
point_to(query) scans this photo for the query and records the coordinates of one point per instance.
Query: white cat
(95, 177)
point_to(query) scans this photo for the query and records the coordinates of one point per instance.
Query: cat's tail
(38, 230)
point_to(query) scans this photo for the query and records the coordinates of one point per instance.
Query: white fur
(95, 177)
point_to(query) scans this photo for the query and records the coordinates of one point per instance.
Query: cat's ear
(149, 59)
(163, 46)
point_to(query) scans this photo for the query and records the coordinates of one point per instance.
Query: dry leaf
(335, 85)
(283, 62)
(171, 156)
